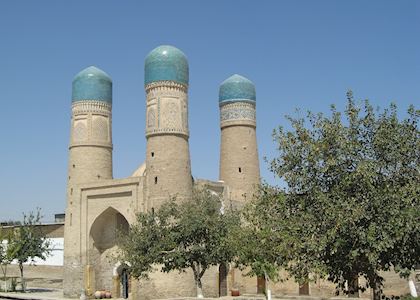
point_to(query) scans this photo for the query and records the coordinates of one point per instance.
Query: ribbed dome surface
(92, 84)
(166, 63)
(237, 88)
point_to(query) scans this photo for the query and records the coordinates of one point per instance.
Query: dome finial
(237, 88)
(92, 84)
(166, 63)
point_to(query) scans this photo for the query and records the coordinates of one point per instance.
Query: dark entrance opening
(260, 285)
(304, 288)
(222, 280)
(124, 283)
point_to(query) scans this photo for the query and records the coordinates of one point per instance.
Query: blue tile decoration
(166, 63)
(237, 111)
(92, 84)
(237, 89)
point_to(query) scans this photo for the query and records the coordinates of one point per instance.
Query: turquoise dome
(92, 84)
(237, 89)
(166, 63)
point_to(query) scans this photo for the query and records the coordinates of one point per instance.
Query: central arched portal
(103, 238)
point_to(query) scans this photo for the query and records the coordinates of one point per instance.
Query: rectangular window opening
(240, 170)
(153, 154)
(156, 180)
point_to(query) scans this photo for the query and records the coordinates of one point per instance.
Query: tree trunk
(375, 284)
(376, 292)
(21, 276)
(197, 278)
(4, 270)
(267, 287)
(199, 288)
(5, 275)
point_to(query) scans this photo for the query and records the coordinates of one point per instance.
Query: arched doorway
(260, 285)
(121, 281)
(103, 238)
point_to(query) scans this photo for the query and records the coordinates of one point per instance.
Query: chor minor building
(98, 205)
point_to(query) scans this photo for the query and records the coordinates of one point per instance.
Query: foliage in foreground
(352, 205)
(192, 234)
(263, 246)
(26, 243)
(351, 208)
(409, 297)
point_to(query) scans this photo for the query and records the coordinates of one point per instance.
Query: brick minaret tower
(90, 160)
(239, 166)
(168, 167)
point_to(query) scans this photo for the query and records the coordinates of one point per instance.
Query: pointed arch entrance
(103, 239)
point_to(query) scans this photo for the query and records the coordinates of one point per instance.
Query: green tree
(352, 205)
(28, 242)
(271, 236)
(191, 234)
(261, 247)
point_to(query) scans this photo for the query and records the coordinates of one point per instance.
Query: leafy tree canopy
(28, 241)
(351, 206)
(263, 247)
(181, 235)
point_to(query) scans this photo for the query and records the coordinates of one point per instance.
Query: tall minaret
(168, 167)
(239, 166)
(90, 160)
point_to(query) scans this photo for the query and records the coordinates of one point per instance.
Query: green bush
(409, 297)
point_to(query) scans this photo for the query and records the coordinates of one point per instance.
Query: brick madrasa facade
(98, 204)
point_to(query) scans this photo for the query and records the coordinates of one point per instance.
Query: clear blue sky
(302, 54)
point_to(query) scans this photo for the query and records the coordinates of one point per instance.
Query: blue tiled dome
(92, 84)
(237, 88)
(166, 63)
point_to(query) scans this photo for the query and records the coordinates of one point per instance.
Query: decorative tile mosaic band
(238, 111)
(165, 84)
(91, 106)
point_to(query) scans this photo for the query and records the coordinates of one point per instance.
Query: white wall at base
(56, 256)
